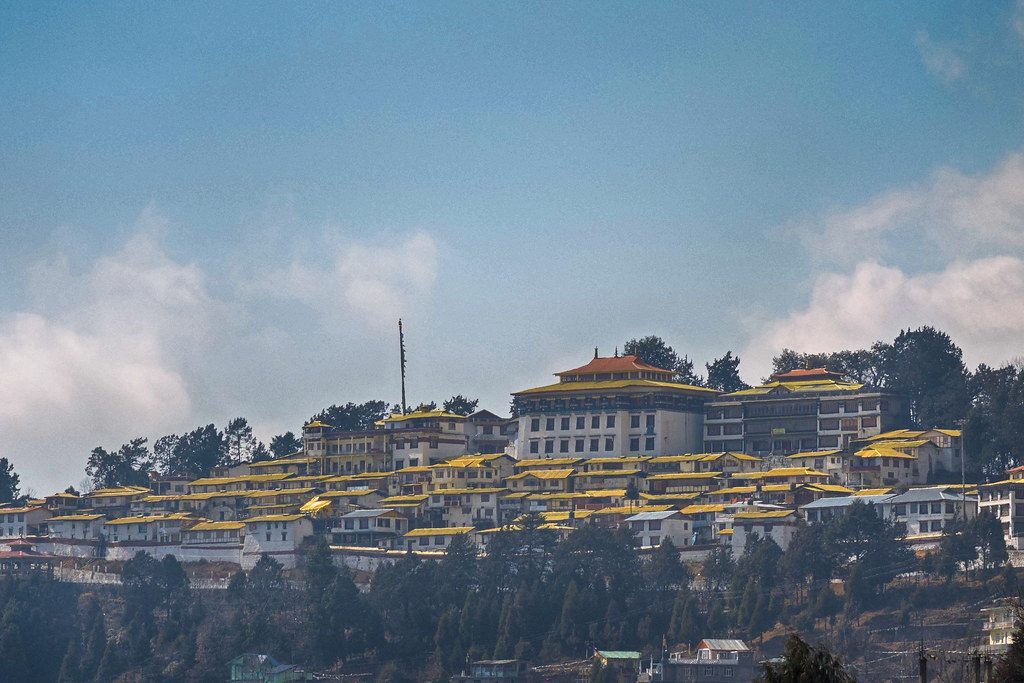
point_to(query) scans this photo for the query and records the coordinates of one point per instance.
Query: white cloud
(971, 230)
(940, 60)
(956, 212)
(980, 303)
(375, 283)
(99, 360)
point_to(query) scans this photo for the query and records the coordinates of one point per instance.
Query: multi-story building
(425, 437)
(716, 661)
(610, 406)
(489, 433)
(1005, 500)
(799, 410)
(345, 451)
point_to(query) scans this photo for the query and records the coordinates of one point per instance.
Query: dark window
(609, 444)
(610, 422)
(579, 445)
(581, 422)
(650, 421)
(565, 423)
(634, 443)
(634, 421)
(550, 424)
(649, 443)
(563, 446)
(594, 445)
(595, 422)
(535, 424)
(549, 446)
(534, 446)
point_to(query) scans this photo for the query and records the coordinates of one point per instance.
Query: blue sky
(219, 209)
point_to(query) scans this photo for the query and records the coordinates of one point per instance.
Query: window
(849, 424)
(650, 422)
(609, 443)
(268, 536)
(364, 524)
(610, 422)
(563, 446)
(535, 446)
(868, 421)
(549, 424)
(284, 535)
(549, 446)
(438, 540)
(654, 525)
(565, 423)
(634, 443)
(594, 445)
(581, 422)
(595, 422)
(936, 508)
(634, 421)
(579, 445)
(424, 540)
(535, 424)
(488, 429)
(649, 443)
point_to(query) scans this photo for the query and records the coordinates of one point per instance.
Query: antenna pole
(401, 354)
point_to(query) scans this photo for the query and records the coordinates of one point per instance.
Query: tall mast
(401, 354)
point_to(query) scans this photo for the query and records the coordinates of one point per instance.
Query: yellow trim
(439, 531)
(604, 385)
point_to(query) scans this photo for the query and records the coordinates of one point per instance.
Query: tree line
(193, 454)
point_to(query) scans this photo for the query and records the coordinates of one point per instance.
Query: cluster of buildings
(614, 442)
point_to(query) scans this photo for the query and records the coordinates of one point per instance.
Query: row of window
(565, 423)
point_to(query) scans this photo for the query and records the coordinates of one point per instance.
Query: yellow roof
(781, 472)
(831, 488)
(468, 491)
(290, 460)
(683, 475)
(63, 494)
(152, 518)
(415, 469)
(216, 526)
(872, 492)
(607, 473)
(275, 493)
(118, 491)
(806, 386)
(75, 518)
(253, 478)
(689, 495)
(423, 415)
(623, 459)
(763, 514)
(439, 531)
(476, 460)
(883, 452)
(626, 509)
(604, 493)
(688, 457)
(410, 498)
(548, 526)
(542, 474)
(544, 462)
(604, 385)
(813, 454)
(710, 457)
(350, 493)
(315, 505)
(701, 509)
(274, 518)
(563, 516)
(726, 532)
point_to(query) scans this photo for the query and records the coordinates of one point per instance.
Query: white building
(778, 525)
(436, 538)
(372, 528)
(611, 406)
(276, 535)
(930, 510)
(467, 507)
(654, 528)
(18, 522)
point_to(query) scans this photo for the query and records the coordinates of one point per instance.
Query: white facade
(780, 526)
(276, 535)
(22, 521)
(593, 434)
(654, 528)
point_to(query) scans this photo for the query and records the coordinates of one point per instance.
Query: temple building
(800, 410)
(615, 405)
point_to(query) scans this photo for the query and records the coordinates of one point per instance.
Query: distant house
(716, 661)
(624, 664)
(256, 668)
(505, 670)
(653, 528)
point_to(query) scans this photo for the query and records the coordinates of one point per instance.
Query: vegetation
(9, 482)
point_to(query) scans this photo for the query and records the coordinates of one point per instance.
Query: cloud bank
(973, 228)
(135, 343)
